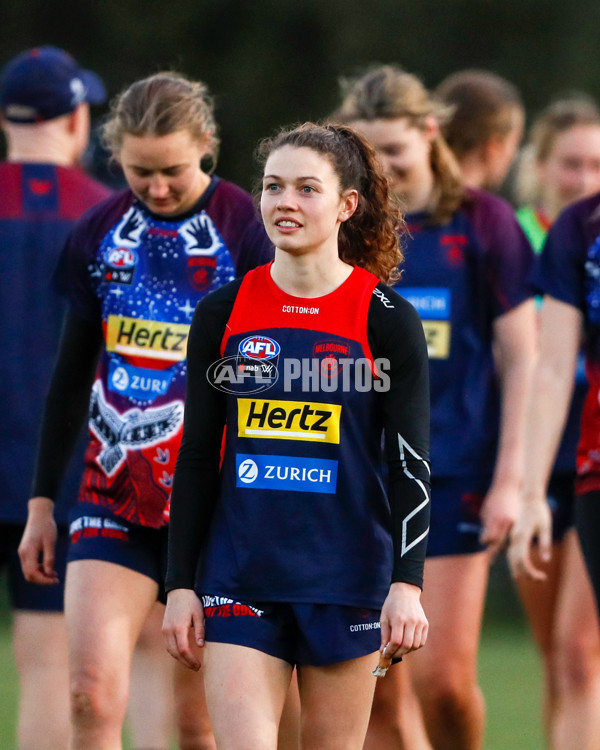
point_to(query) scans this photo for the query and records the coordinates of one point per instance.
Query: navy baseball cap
(44, 83)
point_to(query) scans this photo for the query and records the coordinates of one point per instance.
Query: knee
(194, 731)
(193, 737)
(575, 666)
(451, 696)
(95, 701)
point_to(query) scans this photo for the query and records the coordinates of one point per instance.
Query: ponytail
(369, 238)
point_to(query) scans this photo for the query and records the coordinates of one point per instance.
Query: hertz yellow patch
(289, 420)
(154, 339)
(437, 335)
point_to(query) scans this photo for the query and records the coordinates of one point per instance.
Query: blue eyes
(274, 188)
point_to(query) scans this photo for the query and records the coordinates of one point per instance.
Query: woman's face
(403, 150)
(301, 202)
(572, 169)
(501, 152)
(164, 171)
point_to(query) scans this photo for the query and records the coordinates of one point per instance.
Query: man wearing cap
(44, 111)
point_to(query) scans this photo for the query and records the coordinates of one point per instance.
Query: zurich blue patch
(432, 303)
(137, 382)
(294, 473)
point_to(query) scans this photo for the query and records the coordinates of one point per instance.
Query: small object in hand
(385, 663)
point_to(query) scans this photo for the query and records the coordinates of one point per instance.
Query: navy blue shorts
(456, 515)
(35, 597)
(561, 499)
(303, 634)
(111, 539)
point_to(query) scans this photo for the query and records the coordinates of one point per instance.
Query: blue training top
(569, 270)
(40, 205)
(300, 510)
(461, 277)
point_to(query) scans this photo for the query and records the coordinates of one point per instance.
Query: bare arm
(514, 351)
(552, 388)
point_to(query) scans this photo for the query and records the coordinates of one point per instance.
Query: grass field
(509, 672)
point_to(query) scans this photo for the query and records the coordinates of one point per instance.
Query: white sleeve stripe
(402, 444)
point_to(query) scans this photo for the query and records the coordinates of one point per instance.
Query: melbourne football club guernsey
(461, 276)
(147, 274)
(569, 271)
(302, 486)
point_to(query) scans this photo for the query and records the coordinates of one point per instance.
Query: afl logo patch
(120, 263)
(259, 347)
(121, 257)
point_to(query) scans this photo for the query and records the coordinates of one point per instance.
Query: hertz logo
(289, 420)
(147, 338)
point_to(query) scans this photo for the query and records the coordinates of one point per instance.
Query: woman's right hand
(184, 611)
(534, 525)
(39, 539)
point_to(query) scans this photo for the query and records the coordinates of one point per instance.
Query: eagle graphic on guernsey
(133, 430)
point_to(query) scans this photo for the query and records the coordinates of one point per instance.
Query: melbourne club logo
(132, 430)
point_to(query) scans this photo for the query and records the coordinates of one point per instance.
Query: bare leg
(289, 726)
(245, 693)
(40, 646)
(576, 662)
(539, 599)
(336, 703)
(151, 705)
(445, 671)
(396, 721)
(194, 730)
(105, 607)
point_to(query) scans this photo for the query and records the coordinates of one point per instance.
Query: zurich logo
(120, 378)
(259, 347)
(248, 471)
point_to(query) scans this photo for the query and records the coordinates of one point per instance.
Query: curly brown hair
(369, 238)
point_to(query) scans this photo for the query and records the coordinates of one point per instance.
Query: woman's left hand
(404, 626)
(499, 512)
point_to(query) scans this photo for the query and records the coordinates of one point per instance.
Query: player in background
(133, 270)
(466, 265)
(559, 165)
(45, 99)
(485, 125)
(301, 562)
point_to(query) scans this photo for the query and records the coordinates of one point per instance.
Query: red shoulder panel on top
(11, 205)
(78, 192)
(262, 304)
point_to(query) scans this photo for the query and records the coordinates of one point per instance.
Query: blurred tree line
(274, 62)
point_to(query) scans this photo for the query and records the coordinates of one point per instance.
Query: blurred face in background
(500, 152)
(572, 168)
(404, 151)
